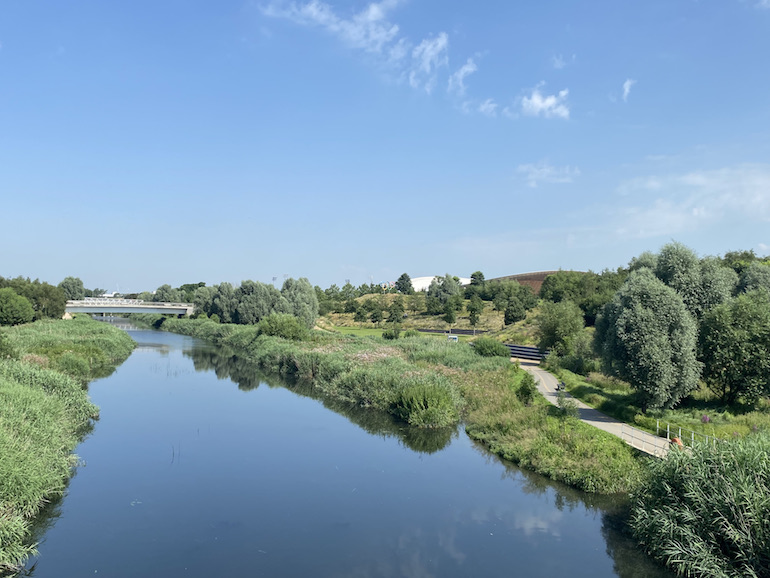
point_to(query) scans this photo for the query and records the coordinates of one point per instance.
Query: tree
(679, 268)
(646, 259)
(73, 288)
(224, 302)
(646, 336)
(14, 309)
(755, 276)
(514, 312)
(416, 302)
(718, 284)
(256, 301)
(475, 307)
(404, 285)
(450, 316)
(302, 300)
(376, 316)
(734, 346)
(360, 315)
(396, 310)
(442, 290)
(556, 323)
(167, 294)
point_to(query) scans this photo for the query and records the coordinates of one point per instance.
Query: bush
(14, 309)
(7, 350)
(283, 325)
(391, 333)
(411, 333)
(527, 389)
(488, 347)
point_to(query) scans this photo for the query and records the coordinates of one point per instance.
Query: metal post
(693, 439)
(657, 427)
(668, 431)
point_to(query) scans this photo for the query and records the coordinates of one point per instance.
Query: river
(200, 467)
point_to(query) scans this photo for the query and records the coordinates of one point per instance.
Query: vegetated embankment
(44, 412)
(430, 383)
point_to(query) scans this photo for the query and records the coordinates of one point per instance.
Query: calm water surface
(201, 467)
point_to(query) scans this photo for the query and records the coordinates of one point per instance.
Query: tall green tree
(302, 300)
(679, 267)
(442, 290)
(14, 309)
(755, 276)
(734, 345)
(73, 288)
(556, 324)
(167, 294)
(256, 301)
(396, 310)
(475, 307)
(404, 284)
(647, 337)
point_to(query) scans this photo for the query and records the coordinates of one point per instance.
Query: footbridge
(110, 306)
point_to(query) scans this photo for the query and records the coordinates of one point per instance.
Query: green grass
(45, 412)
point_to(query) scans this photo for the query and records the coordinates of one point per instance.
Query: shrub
(488, 347)
(391, 333)
(411, 333)
(283, 325)
(14, 309)
(527, 389)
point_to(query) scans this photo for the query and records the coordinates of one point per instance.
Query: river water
(201, 467)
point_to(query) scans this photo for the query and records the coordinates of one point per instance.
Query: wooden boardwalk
(639, 439)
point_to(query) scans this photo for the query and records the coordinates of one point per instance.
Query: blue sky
(149, 142)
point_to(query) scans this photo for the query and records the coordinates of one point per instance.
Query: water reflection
(227, 365)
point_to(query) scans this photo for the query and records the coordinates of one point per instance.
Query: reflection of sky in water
(197, 478)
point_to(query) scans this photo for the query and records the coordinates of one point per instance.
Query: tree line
(23, 300)
(665, 322)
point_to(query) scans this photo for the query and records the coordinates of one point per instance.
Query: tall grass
(706, 512)
(44, 411)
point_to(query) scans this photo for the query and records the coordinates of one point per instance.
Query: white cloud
(627, 88)
(551, 106)
(764, 247)
(558, 61)
(367, 30)
(763, 4)
(457, 80)
(488, 107)
(430, 55)
(545, 173)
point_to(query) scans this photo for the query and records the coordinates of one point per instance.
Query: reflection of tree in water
(629, 560)
(227, 365)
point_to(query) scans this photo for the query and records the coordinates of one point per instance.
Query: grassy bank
(431, 383)
(702, 412)
(45, 412)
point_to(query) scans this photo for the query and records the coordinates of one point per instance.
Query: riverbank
(430, 383)
(45, 413)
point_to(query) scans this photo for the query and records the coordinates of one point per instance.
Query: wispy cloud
(549, 106)
(677, 203)
(558, 62)
(627, 88)
(488, 107)
(430, 55)
(368, 30)
(545, 173)
(457, 80)
(763, 4)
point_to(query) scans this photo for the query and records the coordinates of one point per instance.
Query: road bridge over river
(110, 306)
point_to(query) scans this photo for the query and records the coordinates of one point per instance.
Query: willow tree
(646, 336)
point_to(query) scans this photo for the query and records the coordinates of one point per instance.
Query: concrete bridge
(109, 306)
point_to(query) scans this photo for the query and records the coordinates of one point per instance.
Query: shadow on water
(227, 365)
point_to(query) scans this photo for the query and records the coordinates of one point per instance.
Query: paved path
(639, 439)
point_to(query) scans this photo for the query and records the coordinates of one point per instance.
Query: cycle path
(639, 439)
